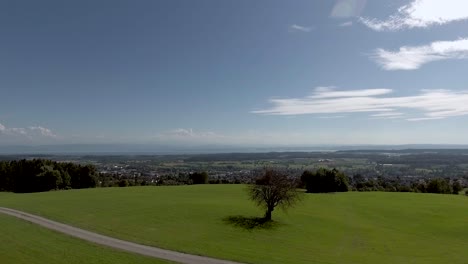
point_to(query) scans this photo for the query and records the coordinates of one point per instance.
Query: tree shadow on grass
(250, 223)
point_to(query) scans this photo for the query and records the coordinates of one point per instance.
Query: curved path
(113, 242)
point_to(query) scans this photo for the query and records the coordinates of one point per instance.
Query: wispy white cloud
(346, 24)
(298, 28)
(430, 104)
(330, 92)
(421, 14)
(189, 135)
(43, 131)
(424, 118)
(387, 115)
(413, 57)
(17, 131)
(182, 132)
(28, 132)
(347, 8)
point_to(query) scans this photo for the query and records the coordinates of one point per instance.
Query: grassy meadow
(324, 228)
(22, 242)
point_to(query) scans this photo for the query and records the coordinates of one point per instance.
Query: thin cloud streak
(413, 57)
(330, 92)
(190, 137)
(431, 104)
(391, 114)
(421, 14)
(346, 24)
(296, 28)
(184, 134)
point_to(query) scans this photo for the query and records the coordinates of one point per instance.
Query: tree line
(397, 184)
(39, 175)
(326, 180)
(115, 180)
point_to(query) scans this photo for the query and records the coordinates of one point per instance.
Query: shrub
(123, 183)
(438, 185)
(199, 177)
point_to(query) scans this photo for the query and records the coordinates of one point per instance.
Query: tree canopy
(38, 175)
(273, 188)
(325, 180)
(199, 177)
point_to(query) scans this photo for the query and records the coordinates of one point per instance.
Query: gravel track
(113, 242)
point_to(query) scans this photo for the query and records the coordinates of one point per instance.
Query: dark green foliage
(325, 180)
(397, 184)
(38, 175)
(403, 188)
(123, 183)
(438, 185)
(420, 187)
(199, 177)
(84, 177)
(456, 187)
(66, 181)
(49, 179)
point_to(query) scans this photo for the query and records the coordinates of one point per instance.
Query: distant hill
(131, 149)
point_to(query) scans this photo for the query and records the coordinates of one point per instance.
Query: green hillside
(324, 228)
(25, 243)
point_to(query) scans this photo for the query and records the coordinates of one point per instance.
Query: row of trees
(116, 180)
(38, 175)
(396, 184)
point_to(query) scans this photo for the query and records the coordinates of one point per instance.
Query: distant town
(366, 169)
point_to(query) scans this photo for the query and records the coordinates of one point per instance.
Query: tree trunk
(268, 214)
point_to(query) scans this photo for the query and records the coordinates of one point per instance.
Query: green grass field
(324, 228)
(25, 243)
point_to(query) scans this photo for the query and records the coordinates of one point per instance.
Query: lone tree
(274, 188)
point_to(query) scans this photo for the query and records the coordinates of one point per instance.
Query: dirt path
(113, 242)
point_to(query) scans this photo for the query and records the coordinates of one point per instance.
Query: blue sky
(234, 72)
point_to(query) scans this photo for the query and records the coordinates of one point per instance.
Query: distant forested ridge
(39, 175)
